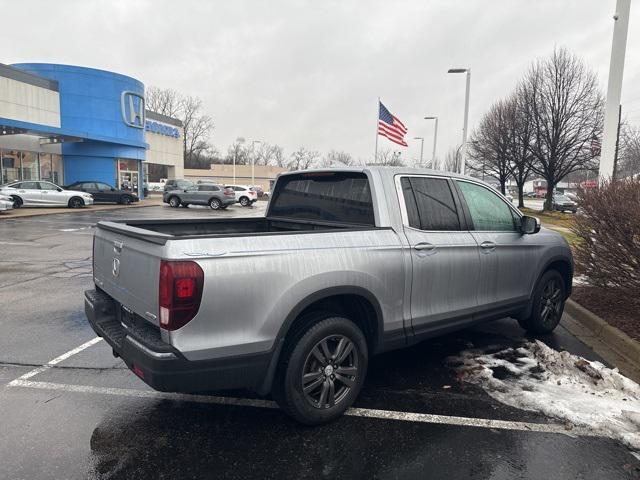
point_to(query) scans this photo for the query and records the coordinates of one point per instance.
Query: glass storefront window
(51, 168)
(29, 166)
(19, 165)
(10, 166)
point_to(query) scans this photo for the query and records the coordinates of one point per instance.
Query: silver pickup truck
(346, 263)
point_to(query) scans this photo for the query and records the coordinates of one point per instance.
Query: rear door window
(343, 197)
(429, 203)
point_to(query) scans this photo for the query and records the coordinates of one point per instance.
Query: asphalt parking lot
(69, 409)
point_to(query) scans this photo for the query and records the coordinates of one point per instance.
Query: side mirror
(529, 225)
(60, 189)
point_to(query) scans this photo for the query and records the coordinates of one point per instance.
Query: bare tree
(489, 144)
(278, 157)
(197, 126)
(337, 158)
(237, 152)
(453, 159)
(389, 158)
(629, 152)
(520, 140)
(164, 101)
(564, 110)
(303, 159)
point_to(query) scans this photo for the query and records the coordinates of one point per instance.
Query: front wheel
(174, 202)
(322, 370)
(76, 202)
(548, 304)
(17, 201)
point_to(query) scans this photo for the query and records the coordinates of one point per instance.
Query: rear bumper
(160, 365)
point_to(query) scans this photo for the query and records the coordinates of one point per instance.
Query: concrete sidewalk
(151, 201)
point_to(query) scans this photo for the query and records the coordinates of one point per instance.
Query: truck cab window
(429, 203)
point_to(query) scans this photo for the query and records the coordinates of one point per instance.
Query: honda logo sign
(132, 107)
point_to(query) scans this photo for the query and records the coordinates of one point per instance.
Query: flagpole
(375, 156)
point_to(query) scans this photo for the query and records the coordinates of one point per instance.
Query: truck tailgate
(128, 269)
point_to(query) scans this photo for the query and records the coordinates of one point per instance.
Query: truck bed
(161, 230)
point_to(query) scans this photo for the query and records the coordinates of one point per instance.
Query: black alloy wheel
(76, 202)
(548, 304)
(330, 371)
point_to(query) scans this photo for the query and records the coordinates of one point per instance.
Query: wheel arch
(357, 303)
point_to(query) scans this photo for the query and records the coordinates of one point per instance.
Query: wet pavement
(89, 417)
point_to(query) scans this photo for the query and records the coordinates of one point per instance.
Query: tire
(244, 201)
(75, 202)
(304, 354)
(215, 204)
(17, 201)
(548, 304)
(126, 200)
(174, 202)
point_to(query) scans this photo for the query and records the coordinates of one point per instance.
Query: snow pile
(559, 384)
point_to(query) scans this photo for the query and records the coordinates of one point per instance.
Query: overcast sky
(309, 72)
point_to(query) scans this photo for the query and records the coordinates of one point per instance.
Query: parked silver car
(215, 196)
(40, 193)
(358, 260)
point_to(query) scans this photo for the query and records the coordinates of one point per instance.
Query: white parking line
(57, 360)
(258, 403)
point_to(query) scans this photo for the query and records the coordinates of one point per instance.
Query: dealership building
(66, 123)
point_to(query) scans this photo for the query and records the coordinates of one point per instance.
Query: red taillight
(179, 292)
(229, 192)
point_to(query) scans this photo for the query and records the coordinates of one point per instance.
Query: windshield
(562, 198)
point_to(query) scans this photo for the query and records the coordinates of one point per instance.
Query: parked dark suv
(104, 193)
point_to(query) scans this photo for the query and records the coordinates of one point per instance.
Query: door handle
(424, 246)
(488, 246)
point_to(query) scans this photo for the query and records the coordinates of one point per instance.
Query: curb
(613, 337)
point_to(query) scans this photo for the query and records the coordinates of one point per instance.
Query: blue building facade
(101, 130)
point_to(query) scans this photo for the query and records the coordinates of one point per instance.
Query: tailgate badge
(115, 269)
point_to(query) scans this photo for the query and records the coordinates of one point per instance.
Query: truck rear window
(343, 197)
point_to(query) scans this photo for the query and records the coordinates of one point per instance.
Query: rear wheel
(322, 370)
(215, 204)
(17, 201)
(244, 201)
(174, 202)
(75, 202)
(548, 304)
(126, 200)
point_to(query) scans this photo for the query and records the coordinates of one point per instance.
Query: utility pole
(614, 89)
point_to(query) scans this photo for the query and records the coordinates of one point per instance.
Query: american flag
(595, 147)
(389, 126)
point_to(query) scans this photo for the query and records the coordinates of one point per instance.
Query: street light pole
(435, 139)
(614, 88)
(466, 114)
(253, 162)
(421, 147)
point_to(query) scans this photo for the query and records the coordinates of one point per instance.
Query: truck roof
(384, 171)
